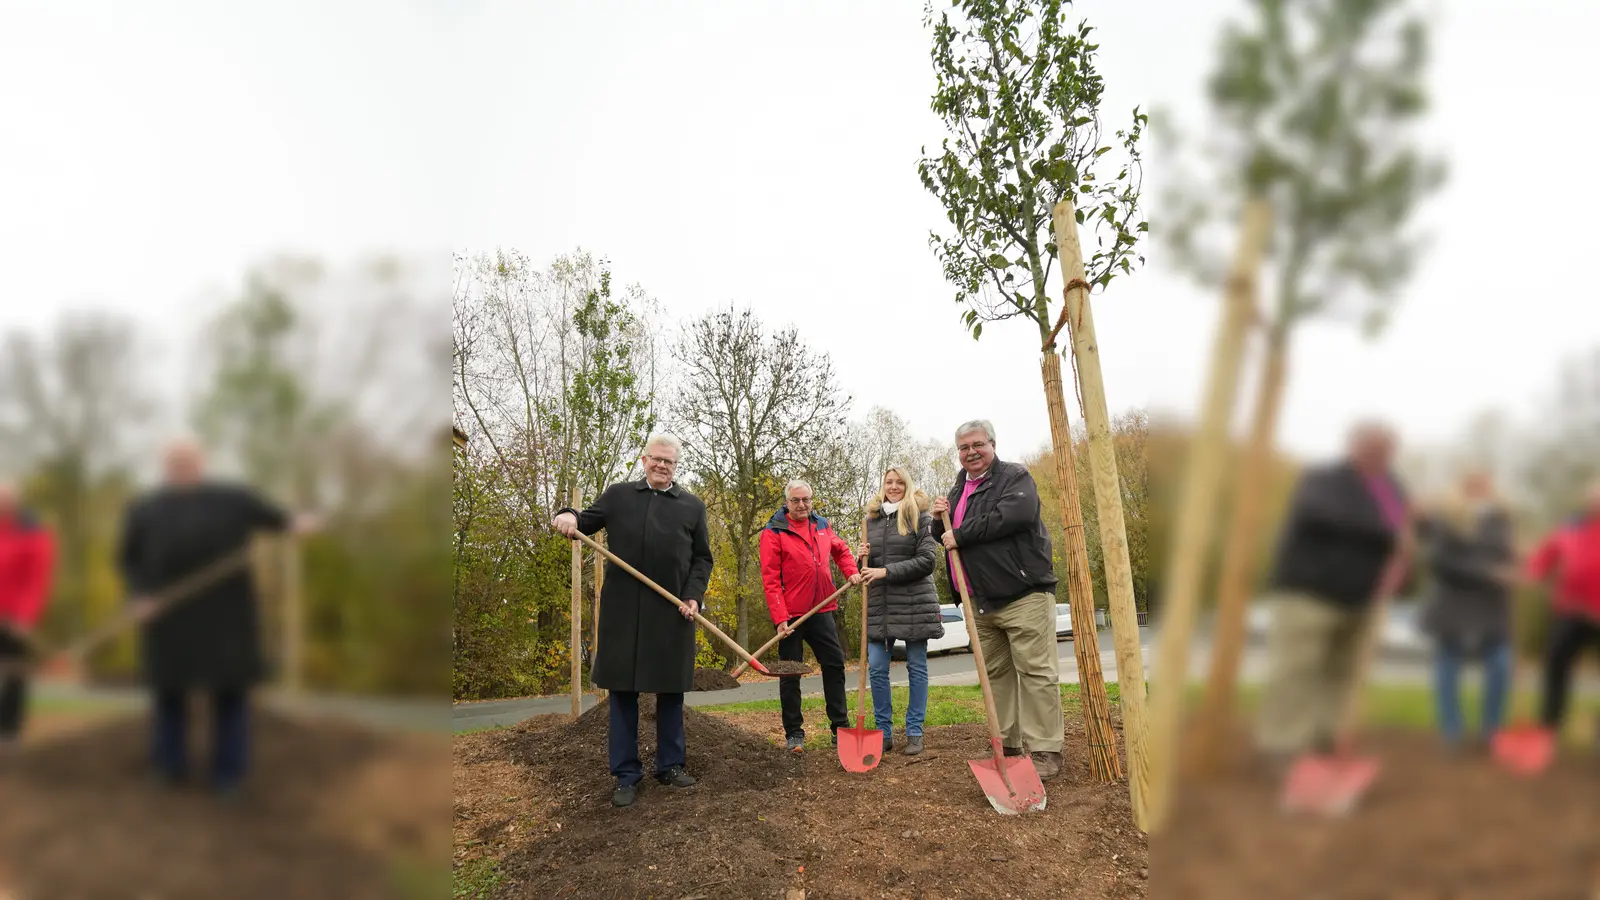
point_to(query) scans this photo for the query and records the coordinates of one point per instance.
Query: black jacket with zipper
(1002, 540)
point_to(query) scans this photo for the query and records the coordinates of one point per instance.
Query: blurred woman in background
(902, 602)
(1469, 553)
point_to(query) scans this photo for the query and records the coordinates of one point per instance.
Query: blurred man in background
(209, 641)
(1346, 525)
(27, 561)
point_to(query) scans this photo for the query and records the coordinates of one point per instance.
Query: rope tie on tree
(1072, 327)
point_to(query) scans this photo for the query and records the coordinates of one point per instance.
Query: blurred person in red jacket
(27, 561)
(795, 548)
(1569, 562)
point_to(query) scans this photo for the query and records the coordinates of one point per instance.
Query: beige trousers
(1312, 648)
(1019, 653)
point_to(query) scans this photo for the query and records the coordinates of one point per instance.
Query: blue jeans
(882, 702)
(1496, 658)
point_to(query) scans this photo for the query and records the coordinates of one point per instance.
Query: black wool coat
(212, 639)
(646, 644)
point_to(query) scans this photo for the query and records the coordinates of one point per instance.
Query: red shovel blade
(860, 748)
(1524, 749)
(1026, 793)
(1329, 785)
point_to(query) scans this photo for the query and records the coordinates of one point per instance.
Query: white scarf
(889, 507)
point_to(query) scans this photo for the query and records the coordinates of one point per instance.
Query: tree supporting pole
(1197, 514)
(1104, 764)
(577, 620)
(599, 582)
(1108, 501)
(293, 615)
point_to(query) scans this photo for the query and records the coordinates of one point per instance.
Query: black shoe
(836, 740)
(1012, 751)
(676, 777)
(796, 743)
(624, 795)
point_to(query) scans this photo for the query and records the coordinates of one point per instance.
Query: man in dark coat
(1347, 527)
(27, 562)
(647, 645)
(1006, 556)
(209, 641)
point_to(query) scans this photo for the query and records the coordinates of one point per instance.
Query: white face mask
(889, 507)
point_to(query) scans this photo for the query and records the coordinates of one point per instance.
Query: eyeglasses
(975, 445)
(662, 461)
(800, 501)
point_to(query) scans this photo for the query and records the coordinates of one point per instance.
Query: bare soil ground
(332, 811)
(766, 823)
(1432, 828)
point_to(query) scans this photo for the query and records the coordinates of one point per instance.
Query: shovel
(704, 622)
(1529, 748)
(860, 748)
(739, 669)
(1010, 782)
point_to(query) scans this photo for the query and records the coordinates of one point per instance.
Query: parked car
(955, 637)
(1063, 621)
(1400, 629)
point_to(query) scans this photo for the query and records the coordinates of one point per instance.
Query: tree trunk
(1239, 560)
(1108, 501)
(1104, 764)
(741, 602)
(1197, 511)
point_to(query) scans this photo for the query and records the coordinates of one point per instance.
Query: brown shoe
(1047, 764)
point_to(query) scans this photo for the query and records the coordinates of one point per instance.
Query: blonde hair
(1458, 511)
(911, 505)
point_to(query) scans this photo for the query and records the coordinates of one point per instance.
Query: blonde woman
(1468, 550)
(902, 602)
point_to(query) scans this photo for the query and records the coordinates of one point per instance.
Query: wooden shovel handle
(861, 688)
(704, 622)
(958, 575)
(739, 669)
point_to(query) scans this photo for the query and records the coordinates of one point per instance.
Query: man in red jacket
(795, 548)
(27, 558)
(1570, 558)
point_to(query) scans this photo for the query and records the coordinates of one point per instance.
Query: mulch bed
(330, 812)
(1432, 827)
(765, 823)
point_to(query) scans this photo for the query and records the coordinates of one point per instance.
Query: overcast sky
(761, 153)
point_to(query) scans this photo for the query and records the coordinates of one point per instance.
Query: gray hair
(664, 440)
(983, 425)
(799, 483)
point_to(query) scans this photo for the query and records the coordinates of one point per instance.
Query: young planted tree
(1019, 94)
(752, 409)
(1314, 105)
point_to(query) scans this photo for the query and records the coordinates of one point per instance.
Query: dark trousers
(13, 688)
(1569, 635)
(230, 742)
(623, 739)
(822, 635)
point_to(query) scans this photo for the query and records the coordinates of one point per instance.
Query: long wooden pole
(1104, 764)
(1108, 501)
(293, 616)
(1239, 556)
(577, 620)
(1197, 514)
(599, 582)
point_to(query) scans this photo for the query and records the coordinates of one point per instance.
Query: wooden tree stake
(1108, 500)
(599, 582)
(577, 620)
(293, 615)
(1197, 514)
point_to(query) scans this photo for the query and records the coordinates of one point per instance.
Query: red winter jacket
(794, 566)
(1572, 556)
(27, 560)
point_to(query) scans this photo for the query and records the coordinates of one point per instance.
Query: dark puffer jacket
(904, 606)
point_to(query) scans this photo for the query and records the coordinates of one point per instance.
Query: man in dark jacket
(647, 645)
(209, 641)
(27, 560)
(1347, 527)
(1006, 555)
(795, 548)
